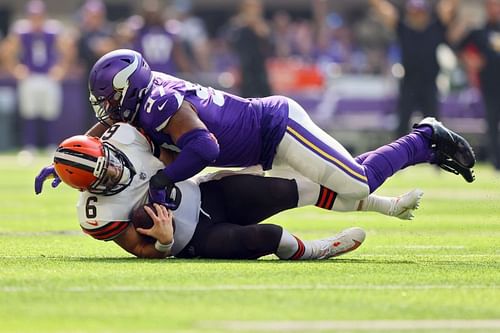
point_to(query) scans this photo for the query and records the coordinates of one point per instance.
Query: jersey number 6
(90, 209)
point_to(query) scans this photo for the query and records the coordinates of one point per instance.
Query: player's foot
(345, 241)
(403, 206)
(453, 153)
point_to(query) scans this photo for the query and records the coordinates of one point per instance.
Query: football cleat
(452, 152)
(403, 206)
(344, 242)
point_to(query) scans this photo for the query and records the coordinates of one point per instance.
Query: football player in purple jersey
(213, 128)
(155, 39)
(37, 54)
(218, 215)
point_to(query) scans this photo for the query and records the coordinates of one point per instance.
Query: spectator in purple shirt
(37, 55)
(151, 35)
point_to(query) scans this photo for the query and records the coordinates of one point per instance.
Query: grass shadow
(264, 262)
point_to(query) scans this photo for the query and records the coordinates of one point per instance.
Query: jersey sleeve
(104, 231)
(20, 27)
(102, 218)
(162, 104)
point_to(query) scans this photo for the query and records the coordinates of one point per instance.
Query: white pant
(39, 97)
(311, 152)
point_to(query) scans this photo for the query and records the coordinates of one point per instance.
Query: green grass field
(438, 273)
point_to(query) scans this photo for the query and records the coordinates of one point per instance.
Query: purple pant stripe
(327, 153)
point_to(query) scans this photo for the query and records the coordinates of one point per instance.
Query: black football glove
(163, 191)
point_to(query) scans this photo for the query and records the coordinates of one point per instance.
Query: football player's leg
(247, 199)
(310, 193)
(319, 157)
(316, 155)
(293, 248)
(380, 164)
(430, 141)
(51, 107)
(232, 241)
(28, 95)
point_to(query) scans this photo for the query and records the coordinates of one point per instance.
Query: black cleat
(453, 153)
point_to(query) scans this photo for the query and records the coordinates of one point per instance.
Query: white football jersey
(105, 217)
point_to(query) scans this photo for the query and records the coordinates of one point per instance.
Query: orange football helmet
(89, 164)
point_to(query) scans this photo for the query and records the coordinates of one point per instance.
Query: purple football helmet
(117, 83)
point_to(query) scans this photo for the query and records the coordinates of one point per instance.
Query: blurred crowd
(254, 53)
(174, 40)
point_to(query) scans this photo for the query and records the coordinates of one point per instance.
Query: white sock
(292, 248)
(307, 190)
(311, 193)
(376, 203)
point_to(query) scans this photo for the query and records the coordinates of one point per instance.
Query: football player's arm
(99, 128)
(167, 156)
(199, 147)
(133, 241)
(10, 51)
(387, 12)
(66, 49)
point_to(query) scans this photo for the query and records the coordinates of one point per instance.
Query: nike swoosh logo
(94, 223)
(162, 106)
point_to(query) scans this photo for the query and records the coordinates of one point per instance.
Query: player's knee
(355, 191)
(262, 239)
(280, 190)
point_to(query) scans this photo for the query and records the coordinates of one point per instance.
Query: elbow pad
(202, 143)
(199, 149)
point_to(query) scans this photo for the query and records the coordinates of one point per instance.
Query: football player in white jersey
(213, 218)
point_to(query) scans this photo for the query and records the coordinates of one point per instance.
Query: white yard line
(422, 247)
(409, 255)
(356, 325)
(353, 257)
(41, 233)
(216, 288)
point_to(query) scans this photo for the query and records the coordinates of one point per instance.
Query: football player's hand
(164, 192)
(46, 173)
(162, 228)
(157, 195)
(170, 200)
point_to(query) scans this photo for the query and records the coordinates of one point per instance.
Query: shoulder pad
(162, 104)
(122, 133)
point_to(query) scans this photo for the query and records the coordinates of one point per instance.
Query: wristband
(164, 247)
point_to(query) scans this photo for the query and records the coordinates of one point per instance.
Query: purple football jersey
(38, 48)
(156, 44)
(248, 130)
